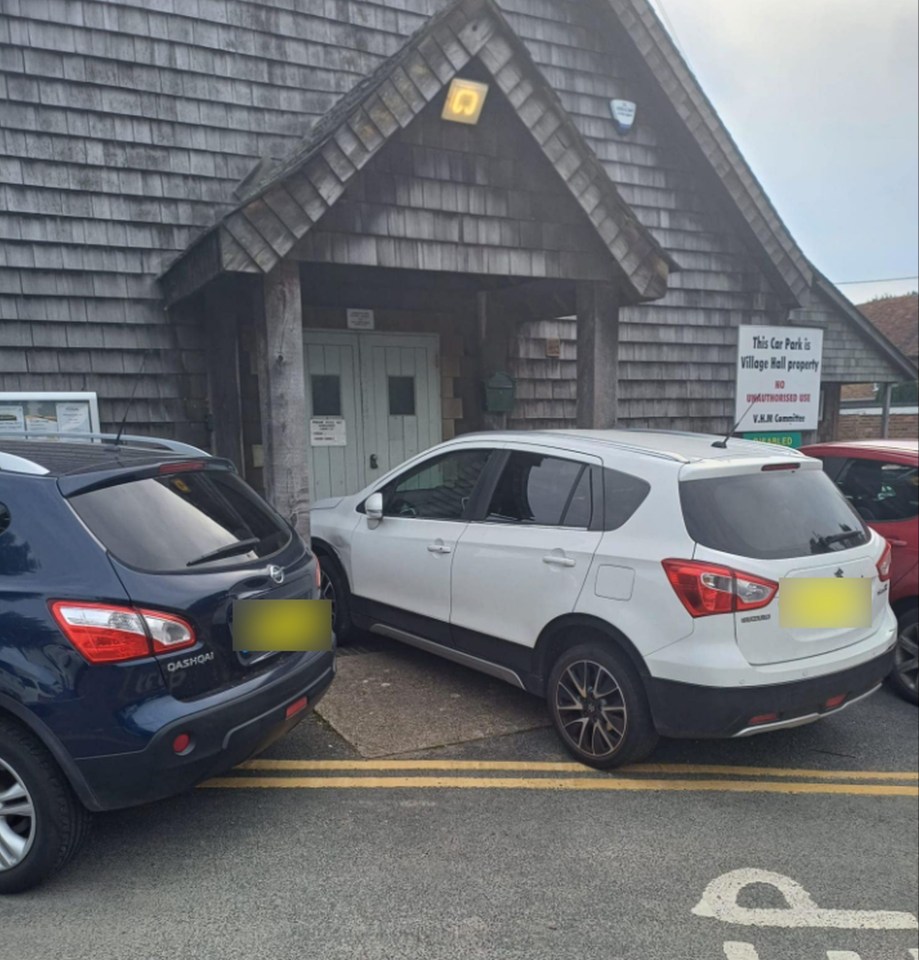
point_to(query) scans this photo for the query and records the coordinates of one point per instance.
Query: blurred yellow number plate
(825, 604)
(282, 626)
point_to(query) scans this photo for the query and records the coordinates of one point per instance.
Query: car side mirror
(374, 507)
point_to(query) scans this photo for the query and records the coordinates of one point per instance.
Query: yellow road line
(554, 784)
(513, 766)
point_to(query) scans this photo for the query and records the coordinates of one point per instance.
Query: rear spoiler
(740, 466)
(75, 483)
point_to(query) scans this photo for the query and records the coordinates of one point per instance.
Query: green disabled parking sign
(793, 440)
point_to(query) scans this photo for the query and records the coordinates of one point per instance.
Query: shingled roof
(282, 202)
(699, 117)
(898, 319)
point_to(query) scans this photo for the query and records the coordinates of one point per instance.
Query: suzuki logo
(840, 574)
(276, 574)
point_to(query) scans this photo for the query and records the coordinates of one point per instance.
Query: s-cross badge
(276, 574)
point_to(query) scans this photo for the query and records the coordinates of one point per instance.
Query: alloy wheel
(591, 708)
(17, 818)
(907, 657)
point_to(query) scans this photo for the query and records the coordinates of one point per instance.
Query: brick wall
(863, 427)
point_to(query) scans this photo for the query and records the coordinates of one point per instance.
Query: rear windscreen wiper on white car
(224, 553)
(827, 543)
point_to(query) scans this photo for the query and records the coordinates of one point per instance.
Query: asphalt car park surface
(501, 847)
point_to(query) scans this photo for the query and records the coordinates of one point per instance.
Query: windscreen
(771, 516)
(183, 521)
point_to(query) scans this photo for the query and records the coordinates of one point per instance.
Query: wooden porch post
(223, 304)
(887, 390)
(598, 356)
(282, 393)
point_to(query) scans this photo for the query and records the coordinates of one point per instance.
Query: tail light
(884, 564)
(706, 589)
(109, 634)
(318, 576)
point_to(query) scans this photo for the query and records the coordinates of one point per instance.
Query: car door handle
(898, 543)
(556, 561)
(441, 549)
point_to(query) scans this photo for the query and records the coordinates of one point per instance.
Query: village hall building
(320, 236)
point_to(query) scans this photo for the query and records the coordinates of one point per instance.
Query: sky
(822, 98)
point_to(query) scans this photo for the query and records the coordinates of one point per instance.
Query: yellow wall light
(465, 101)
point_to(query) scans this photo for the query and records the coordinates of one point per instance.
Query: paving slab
(400, 700)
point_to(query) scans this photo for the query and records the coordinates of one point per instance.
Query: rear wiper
(833, 539)
(233, 550)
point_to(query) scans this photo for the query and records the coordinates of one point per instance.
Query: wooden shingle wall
(126, 124)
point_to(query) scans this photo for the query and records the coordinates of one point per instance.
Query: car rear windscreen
(771, 516)
(184, 521)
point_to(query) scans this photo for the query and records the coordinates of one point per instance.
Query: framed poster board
(44, 415)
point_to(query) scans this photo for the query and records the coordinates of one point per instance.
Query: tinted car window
(439, 489)
(771, 516)
(536, 489)
(880, 491)
(623, 495)
(179, 521)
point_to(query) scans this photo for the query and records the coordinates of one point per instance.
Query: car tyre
(334, 587)
(599, 708)
(42, 823)
(904, 679)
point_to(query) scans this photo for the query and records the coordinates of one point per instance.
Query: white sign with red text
(778, 379)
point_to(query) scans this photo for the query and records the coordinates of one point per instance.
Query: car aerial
(119, 683)
(880, 478)
(633, 579)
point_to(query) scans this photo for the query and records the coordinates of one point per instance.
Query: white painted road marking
(720, 903)
(746, 951)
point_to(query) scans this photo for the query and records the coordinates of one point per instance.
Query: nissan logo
(276, 574)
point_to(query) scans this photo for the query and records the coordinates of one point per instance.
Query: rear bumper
(686, 711)
(222, 736)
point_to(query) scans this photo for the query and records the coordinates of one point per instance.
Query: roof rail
(152, 443)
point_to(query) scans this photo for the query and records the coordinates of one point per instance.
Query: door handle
(440, 548)
(555, 561)
(897, 543)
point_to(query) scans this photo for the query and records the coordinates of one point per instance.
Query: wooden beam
(282, 395)
(223, 303)
(598, 356)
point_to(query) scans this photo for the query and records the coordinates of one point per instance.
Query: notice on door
(328, 432)
(778, 379)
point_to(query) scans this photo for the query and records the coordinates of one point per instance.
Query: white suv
(632, 579)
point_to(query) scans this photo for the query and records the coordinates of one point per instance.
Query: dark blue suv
(119, 683)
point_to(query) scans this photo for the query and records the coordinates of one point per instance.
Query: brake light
(707, 589)
(184, 466)
(774, 467)
(885, 563)
(103, 633)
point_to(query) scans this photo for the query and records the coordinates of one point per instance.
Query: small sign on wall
(49, 414)
(328, 432)
(361, 320)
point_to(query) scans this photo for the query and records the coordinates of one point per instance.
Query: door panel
(333, 393)
(405, 560)
(509, 582)
(402, 407)
(526, 563)
(386, 389)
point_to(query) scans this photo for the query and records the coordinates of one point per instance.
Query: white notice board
(48, 414)
(779, 373)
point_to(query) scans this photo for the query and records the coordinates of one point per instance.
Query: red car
(880, 478)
